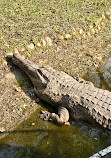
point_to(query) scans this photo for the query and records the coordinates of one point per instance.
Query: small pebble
(96, 30)
(48, 41)
(38, 45)
(60, 37)
(99, 28)
(88, 33)
(75, 33)
(30, 46)
(21, 49)
(67, 36)
(91, 26)
(81, 31)
(103, 16)
(92, 31)
(2, 129)
(84, 35)
(107, 15)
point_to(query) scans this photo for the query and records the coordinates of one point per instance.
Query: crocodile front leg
(61, 118)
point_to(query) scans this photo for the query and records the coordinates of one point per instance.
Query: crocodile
(72, 96)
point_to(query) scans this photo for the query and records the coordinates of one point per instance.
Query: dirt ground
(25, 23)
(17, 101)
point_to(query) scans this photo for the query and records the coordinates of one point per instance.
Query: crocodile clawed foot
(45, 115)
(67, 123)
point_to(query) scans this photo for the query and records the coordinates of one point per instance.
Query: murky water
(42, 139)
(36, 138)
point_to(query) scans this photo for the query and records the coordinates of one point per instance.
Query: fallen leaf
(33, 124)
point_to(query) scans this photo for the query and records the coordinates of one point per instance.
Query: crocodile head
(35, 72)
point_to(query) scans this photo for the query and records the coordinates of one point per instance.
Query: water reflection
(18, 151)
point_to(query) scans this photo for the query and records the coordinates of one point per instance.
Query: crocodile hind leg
(61, 118)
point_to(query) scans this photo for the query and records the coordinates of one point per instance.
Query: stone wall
(107, 72)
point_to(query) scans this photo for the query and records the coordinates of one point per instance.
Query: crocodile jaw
(33, 71)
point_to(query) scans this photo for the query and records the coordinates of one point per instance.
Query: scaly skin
(81, 98)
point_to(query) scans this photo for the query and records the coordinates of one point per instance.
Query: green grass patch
(25, 21)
